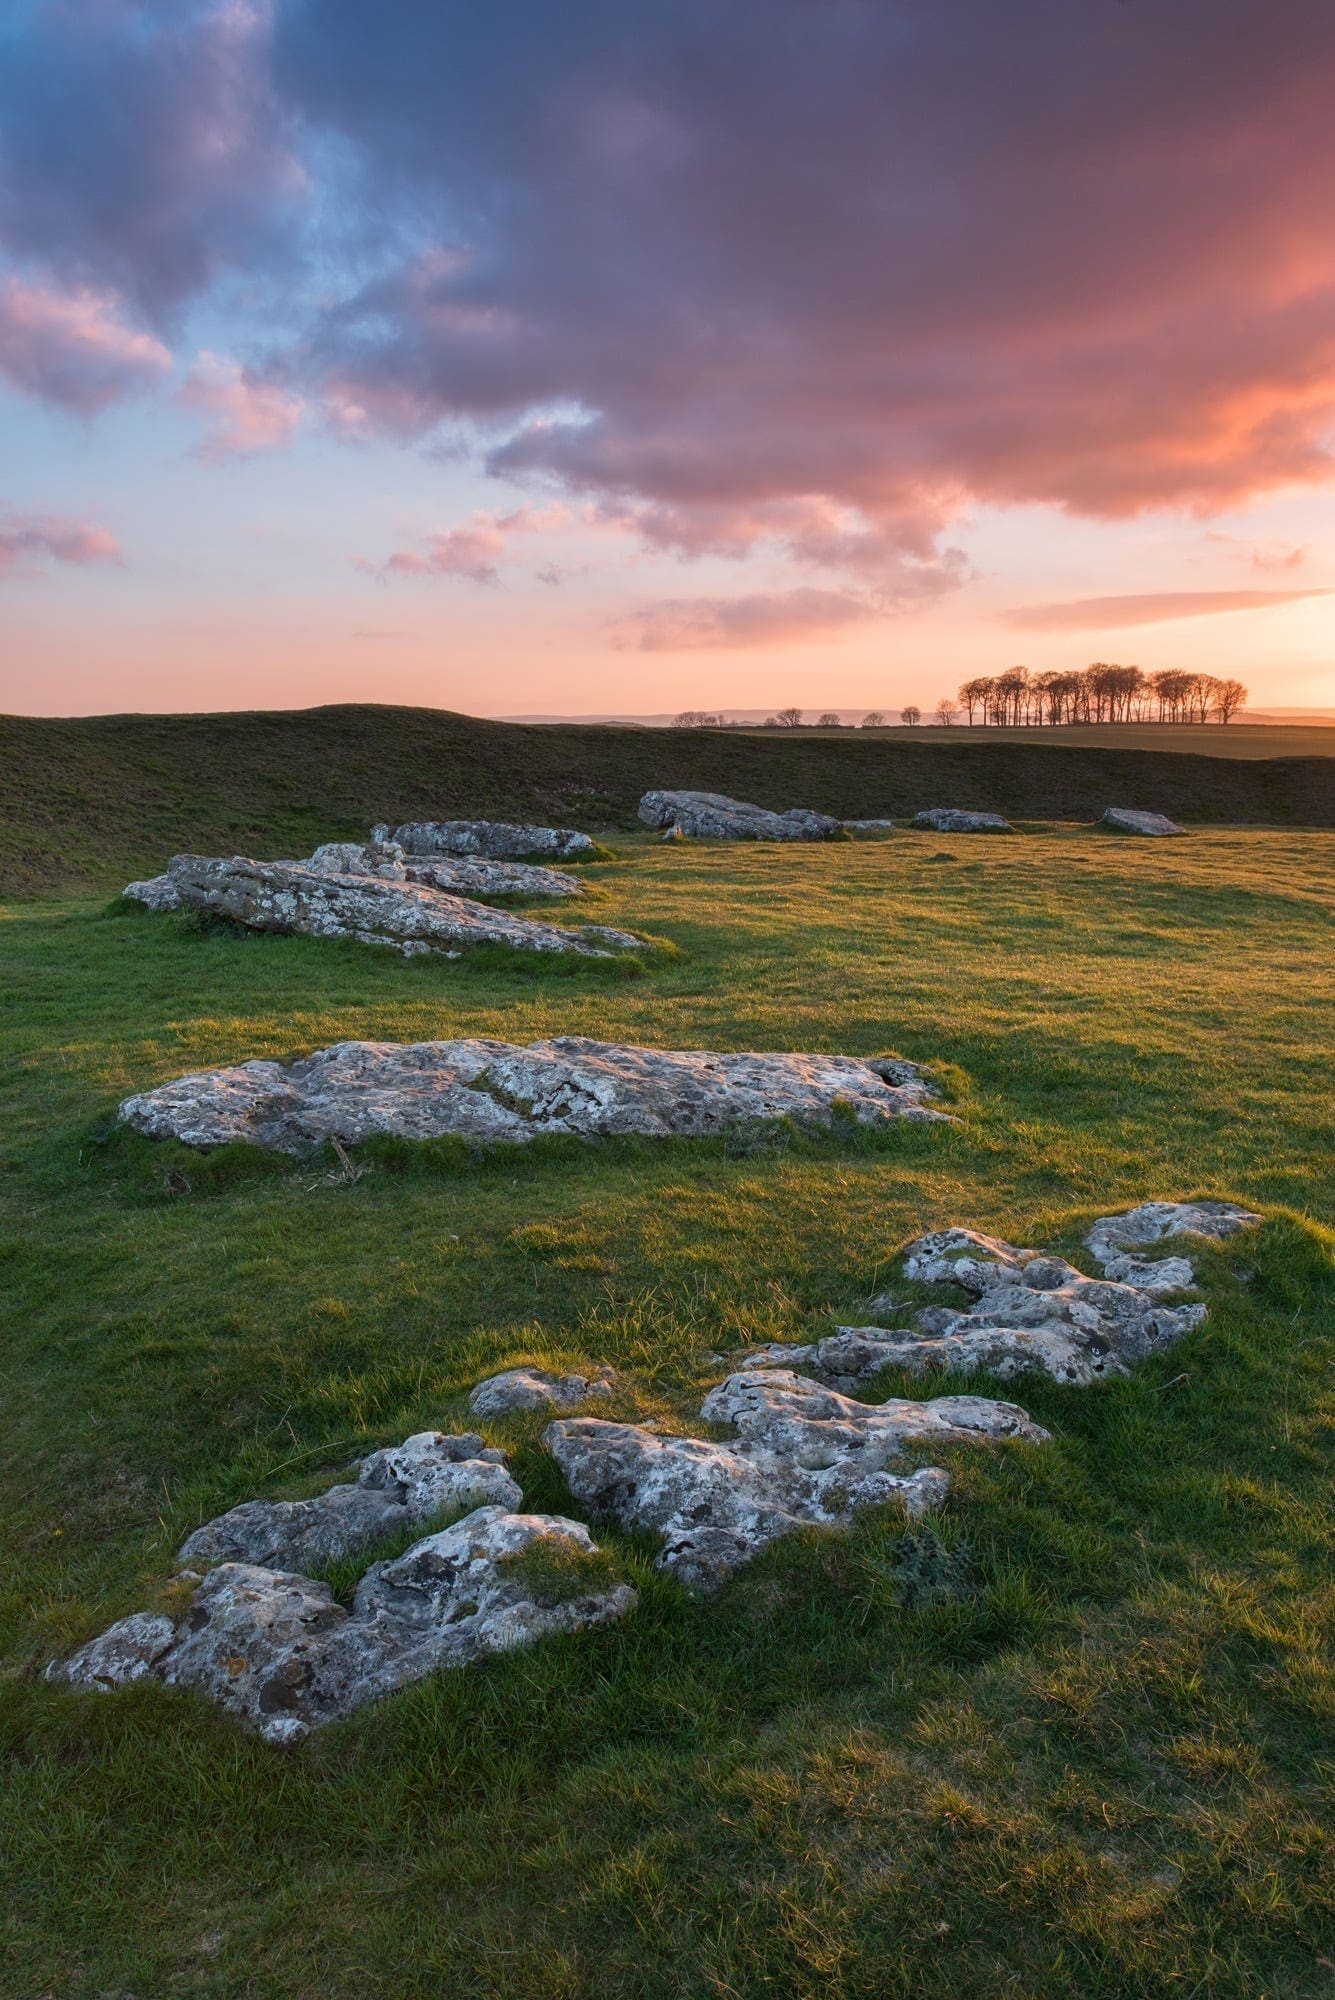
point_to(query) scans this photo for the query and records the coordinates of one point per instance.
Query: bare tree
(910, 716)
(697, 718)
(789, 718)
(873, 719)
(1229, 697)
(946, 711)
(974, 697)
(828, 719)
(771, 722)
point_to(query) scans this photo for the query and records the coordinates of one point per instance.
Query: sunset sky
(526, 357)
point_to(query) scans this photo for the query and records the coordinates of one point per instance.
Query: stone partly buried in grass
(1034, 1312)
(539, 1389)
(950, 819)
(275, 1649)
(1123, 820)
(496, 840)
(486, 1090)
(804, 1456)
(409, 916)
(457, 875)
(712, 816)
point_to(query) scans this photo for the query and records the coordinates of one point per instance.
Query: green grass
(99, 800)
(1093, 1760)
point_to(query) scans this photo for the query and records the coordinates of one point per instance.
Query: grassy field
(94, 802)
(1236, 739)
(1096, 1771)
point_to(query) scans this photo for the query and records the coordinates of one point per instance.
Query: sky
(625, 358)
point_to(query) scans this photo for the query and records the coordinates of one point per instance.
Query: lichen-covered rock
(427, 1474)
(869, 825)
(538, 1389)
(1112, 1238)
(1035, 1311)
(291, 897)
(380, 858)
(712, 816)
(496, 840)
(1124, 820)
(804, 1456)
(487, 1090)
(950, 819)
(274, 1648)
(158, 893)
(473, 875)
(127, 1651)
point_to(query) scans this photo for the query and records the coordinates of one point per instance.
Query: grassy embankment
(95, 802)
(1099, 1772)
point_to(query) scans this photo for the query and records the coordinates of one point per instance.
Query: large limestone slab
(951, 819)
(275, 1649)
(1123, 820)
(496, 840)
(803, 1456)
(409, 916)
(487, 1090)
(712, 816)
(426, 1475)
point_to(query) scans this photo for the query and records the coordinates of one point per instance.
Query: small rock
(1124, 820)
(869, 825)
(496, 840)
(538, 1389)
(127, 1651)
(159, 893)
(712, 816)
(950, 819)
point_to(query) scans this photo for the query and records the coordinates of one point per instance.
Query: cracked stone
(487, 1090)
(950, 819)
(427, 1474)
(494, 840)
(1124, 820)
(803, 1456)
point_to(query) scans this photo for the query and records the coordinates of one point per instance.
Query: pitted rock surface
(712, 816)
(1113, 1238)
(489, 1090)
(292, 897)
(1124, 820)
(950, 819)
(494, 840)
(1035, 1311)
(425, 1475)
(473, 875)
(380, 858)
(538, 1389)
(803, 1456)
(274, 1648)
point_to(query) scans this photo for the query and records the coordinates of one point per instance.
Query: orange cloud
(1089, 614)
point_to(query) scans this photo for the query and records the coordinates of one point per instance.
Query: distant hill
(94, 801)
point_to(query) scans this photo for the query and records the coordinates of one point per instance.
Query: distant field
(1237, 739)
(91, 803)
(1096, 1774)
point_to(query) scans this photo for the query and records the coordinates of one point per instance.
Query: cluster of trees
(1098, 693)
(1019, 699)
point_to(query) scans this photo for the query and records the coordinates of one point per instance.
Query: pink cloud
(1262, 555)
(1089, 614)
(762, 618)
(29, 542)
(246, 414)
(72, 348)
(473, 549)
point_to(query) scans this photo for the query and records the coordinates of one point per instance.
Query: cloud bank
(30, 543)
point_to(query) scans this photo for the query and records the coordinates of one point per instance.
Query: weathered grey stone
(538, 1389)
(274, 1649)
(380, 858)
(949, 819)
(1111, 1237)
(427, 1474)
(291, 897)
(497, 840)
(1124, 820)
(803, 1456)
(489, 1090)
(473, 875)
(1033, 1312)
(712, 816)
(158, 893)
(127, 1651)
(869, 825)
